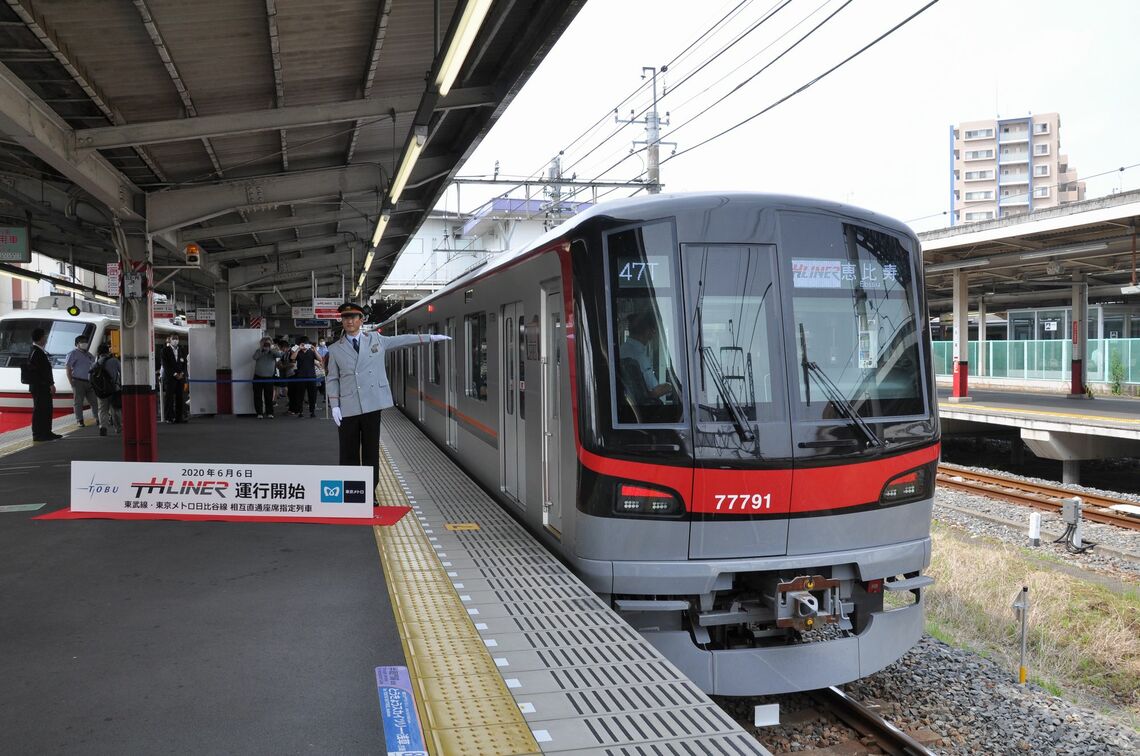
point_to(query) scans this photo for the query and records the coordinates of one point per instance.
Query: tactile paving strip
(585, 681)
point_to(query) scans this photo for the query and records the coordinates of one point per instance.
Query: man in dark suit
(173, 381)
(42, 385)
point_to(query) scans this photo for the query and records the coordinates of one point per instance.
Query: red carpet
(380, 516)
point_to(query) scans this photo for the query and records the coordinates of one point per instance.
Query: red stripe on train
(814, 489)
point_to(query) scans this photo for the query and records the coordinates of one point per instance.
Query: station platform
(191, 637)
(1053, 426)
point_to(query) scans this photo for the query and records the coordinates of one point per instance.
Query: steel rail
(1038, 495)
(889, 738)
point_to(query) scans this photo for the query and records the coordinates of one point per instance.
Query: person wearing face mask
(79, 362)
(173, 381)
(357, 386)
(264, 366)
(306, 362)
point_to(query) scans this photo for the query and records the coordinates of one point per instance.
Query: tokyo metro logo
(343, 492)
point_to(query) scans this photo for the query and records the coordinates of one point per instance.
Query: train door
(450, 379)
(512, 462)
(551, 360)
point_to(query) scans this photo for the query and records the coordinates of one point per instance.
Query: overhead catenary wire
(802, 88)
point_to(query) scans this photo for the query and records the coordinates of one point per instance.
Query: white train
(97, 321)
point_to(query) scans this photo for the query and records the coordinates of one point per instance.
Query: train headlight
(911, 485)
(639, 500)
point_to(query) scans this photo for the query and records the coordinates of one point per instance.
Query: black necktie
(355, 344)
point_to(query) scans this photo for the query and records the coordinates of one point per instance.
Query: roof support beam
(248, 274)
(301, 245)
(294, 116)
(34, 126)
(269, 225)
(178, 208)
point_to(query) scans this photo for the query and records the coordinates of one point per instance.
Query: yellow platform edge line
(409, 594)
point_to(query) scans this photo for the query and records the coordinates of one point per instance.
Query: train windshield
(852, 320)
(643, 287)
(16, 339)
(733, 316)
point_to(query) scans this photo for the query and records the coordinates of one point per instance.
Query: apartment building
(1009, 166)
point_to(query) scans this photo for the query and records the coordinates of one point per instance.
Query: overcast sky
(874, 133)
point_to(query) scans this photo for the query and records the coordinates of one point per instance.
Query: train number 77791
(730, 502)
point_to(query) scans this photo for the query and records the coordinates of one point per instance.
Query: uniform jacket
(358, 383)
(173, 361)
(39, 367)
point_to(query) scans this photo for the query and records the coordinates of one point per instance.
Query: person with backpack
(107, 383)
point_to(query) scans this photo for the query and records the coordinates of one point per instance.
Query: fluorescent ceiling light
(414, 148)
(65, 287)
(958, 265)
(21, 276)
(1076, 248)
(368, 259)
(381, 222)
(105, 298)
(473, 14)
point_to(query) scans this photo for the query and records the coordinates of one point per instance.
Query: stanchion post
(1035, 529)
(1021, 611)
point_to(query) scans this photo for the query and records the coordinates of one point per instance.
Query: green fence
(1108, 360)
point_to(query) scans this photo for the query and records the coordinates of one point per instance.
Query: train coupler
(808, 602)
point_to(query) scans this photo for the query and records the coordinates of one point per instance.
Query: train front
(757, 468)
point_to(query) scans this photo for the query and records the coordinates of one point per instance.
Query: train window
(475, 332)
(733, 315)
(435, 357)
(853, 319)
(16, 339)
(642, 278)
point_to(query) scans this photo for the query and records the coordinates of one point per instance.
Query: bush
(1116, 374)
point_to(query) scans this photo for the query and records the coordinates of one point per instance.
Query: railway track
(1038, 495)
(870, 726)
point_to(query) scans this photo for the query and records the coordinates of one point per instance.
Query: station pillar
(223, 322)
(960, 391)
(1079, 335)
(140, 416)
(980, 368)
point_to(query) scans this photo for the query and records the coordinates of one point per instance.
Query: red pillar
(1077, 384)
(140, 424)
(225, 393)
(961, 379)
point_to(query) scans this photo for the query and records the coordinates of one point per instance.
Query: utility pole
(653, 124)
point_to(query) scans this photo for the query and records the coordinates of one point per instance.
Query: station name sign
(15, 244)
(319, 491)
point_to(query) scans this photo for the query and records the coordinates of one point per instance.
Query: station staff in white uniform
(357, 385)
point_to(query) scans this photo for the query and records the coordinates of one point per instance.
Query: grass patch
(1084, 639)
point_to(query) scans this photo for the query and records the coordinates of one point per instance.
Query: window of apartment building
(1041, 191)
(1040, 149)
(979, 175)
(979, 154)
(1040, 128)
(981, 215)
(475, 330)
(1040, 170)
(986, 195)
(979, 134)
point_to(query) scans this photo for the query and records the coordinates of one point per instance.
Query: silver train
(719, 410)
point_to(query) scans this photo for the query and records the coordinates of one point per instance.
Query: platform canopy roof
(270, 132)
(1030, 259)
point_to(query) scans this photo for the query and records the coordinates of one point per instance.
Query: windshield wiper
(834, 395)
(725, 392)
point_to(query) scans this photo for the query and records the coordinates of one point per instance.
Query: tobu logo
(343, 491)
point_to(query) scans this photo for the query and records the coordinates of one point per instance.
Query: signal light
(193, 254)
(909, 486)
(73, 311)
(873, 586)
(640, 500)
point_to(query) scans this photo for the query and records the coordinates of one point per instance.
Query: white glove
(336, 416)
(440, 337)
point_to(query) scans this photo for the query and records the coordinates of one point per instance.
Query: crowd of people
(293, 372)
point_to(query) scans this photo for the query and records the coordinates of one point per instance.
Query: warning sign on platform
(246, 490)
